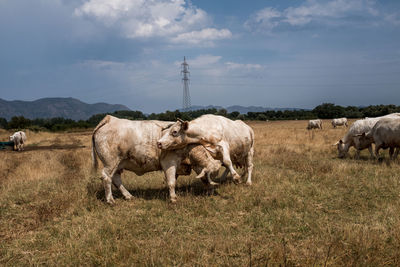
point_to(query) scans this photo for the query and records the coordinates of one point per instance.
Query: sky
(270, 53)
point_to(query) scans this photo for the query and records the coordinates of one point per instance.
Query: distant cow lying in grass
(19, 138)
(132, 145)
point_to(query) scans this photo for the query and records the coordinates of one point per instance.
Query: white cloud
(174, 20)
(236, 66)
(204, 36)
(333, 12)
(393, 19)
(204, 61)
(267, 18)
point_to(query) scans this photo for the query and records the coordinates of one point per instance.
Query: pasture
(306, 207)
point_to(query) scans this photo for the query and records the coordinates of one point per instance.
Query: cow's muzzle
(159, 145)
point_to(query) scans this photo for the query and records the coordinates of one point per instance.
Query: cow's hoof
(249, 183)
(111, 202)
(128, 197)
(236, 176)
(173, 200)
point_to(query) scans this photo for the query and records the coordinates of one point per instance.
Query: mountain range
(77, 110)
(55, 107)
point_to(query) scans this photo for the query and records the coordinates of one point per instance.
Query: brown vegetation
(306, 207)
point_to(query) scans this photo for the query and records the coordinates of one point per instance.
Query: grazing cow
(385, 134)
(232, 141)
(351, 138)
(132, 145)
(339, 122)
(19, 138)
(314, 124)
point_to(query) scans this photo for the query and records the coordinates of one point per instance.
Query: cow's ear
(185, 125)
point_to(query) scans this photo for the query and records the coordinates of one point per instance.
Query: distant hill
(242, 109)
(70, 108)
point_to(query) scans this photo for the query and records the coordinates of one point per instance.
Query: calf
(203, 163)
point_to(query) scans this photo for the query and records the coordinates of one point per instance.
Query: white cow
(314, 124)
(339, 122)
(351, 138)
(385, 134)
(231, 141)
(19, 139)
(132, 145)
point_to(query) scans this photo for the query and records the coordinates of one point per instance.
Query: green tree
(3, 123)
(19, 122)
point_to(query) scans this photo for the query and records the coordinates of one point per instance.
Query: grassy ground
(306, 207)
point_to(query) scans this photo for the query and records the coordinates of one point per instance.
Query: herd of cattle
(205, 145)
(382, 131)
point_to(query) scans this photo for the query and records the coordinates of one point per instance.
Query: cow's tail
(94, 155)
(94, 151)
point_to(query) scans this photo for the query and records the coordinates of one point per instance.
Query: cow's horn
(180, 120)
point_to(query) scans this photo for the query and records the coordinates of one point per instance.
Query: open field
(306, 207)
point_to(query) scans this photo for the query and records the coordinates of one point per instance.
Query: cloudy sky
(274, 53)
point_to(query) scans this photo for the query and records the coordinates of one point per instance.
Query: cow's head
(11, 138)
(342, 148)
(174, 136)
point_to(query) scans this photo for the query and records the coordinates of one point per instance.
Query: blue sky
(286, 53)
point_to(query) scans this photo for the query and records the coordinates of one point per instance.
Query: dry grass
(306, 207)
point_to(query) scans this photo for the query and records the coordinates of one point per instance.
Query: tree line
(323, 111)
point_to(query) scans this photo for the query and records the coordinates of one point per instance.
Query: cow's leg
(358, 154)
(370, 151)
(116, 179)
(107, 186)
(391, 151)
(249, 165)
(226, 159)
(396, 153)
(377, 147)
(224, 174)
(211, 182)
(170, 178)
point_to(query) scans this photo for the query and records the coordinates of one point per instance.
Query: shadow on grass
(194, 189)
(52, 147)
